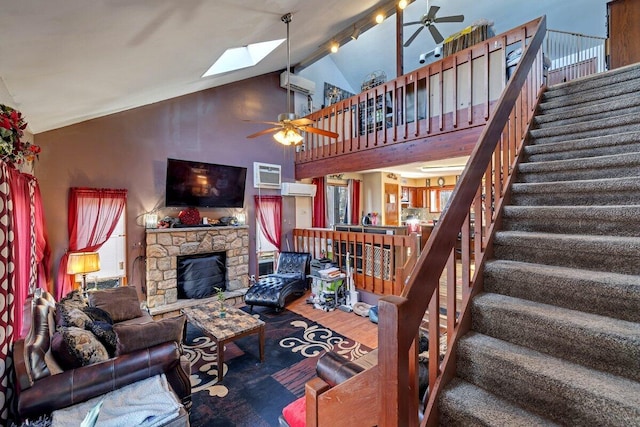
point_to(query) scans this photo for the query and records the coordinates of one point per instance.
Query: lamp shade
(83, 262)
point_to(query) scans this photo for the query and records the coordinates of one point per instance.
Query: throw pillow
(77, 318)
(121, 303)
(73, 300)
(74, 347)
(295, 413)
(98, 314)
(105, 333)
(134, 337)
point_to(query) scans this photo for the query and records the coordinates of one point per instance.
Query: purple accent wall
(129, 150)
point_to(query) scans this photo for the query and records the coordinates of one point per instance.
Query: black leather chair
(290, 280)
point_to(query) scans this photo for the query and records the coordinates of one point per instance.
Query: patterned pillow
(74, 347)
(77, 318)
(98, 314)
(105, 333)
(73, 300)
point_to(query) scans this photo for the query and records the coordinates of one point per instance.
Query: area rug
(253, 393)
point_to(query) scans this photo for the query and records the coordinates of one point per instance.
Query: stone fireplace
(164, 246)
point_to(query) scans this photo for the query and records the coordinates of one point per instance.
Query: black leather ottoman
(289, 281)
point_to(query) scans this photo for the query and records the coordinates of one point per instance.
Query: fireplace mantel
(166, 244)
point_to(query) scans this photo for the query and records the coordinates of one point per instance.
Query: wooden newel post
(398, 405)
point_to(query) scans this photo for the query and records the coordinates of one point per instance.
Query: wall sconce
(242, 218)
(334, 47)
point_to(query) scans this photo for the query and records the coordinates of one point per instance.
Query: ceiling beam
(388, 7)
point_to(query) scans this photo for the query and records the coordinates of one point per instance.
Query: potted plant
(220, 295)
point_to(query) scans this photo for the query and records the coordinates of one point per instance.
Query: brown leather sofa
(39, 391)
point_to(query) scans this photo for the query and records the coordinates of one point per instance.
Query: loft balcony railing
(453, 94)
(570, 56)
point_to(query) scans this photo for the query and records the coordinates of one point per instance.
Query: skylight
(242, 57)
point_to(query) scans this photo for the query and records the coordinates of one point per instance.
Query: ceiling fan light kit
(289, 127)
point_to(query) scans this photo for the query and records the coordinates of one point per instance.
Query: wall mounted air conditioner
(266, 175)
(298, 189)
(298, 84)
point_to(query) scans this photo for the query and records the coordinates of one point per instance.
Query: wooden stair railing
(478, 198)
(387, 394)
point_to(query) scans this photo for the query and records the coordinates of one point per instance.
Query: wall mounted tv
(198, 184)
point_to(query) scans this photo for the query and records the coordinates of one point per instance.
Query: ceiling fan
(289, 126)
(427, 21)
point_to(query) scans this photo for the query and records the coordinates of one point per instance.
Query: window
(439, 198)
(337, 201)
(112, 258)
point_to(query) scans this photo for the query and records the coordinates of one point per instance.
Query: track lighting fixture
(355, 34)
(380, 18)
(334, 47)
(402, 4)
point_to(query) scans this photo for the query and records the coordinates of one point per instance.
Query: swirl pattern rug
(253, 393)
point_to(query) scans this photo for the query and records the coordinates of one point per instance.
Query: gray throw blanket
(147, 403)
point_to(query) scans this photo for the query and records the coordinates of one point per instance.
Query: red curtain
(354, 195)
(31, 250)
(269, 215)
(319, 218)
(93, 215)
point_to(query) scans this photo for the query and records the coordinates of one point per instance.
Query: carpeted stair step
(563, 391)
(622, 105)
(599, 253)
(588, 97)
(591, 340)
(612, 191)
(597, 220)
(609, 166)
(607, 126)
(573, 131)
(594, 81)
(606, 294)
(587, 147)
(464, 404)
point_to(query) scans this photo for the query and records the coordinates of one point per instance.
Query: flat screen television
(206, 185)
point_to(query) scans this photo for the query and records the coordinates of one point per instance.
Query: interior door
(391, 202)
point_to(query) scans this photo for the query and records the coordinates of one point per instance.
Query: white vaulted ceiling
(66, 61)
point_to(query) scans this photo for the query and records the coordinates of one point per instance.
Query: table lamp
(83, 263)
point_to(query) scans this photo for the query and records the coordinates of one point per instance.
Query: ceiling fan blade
(264, 132)
(301, 122)
(320, 131)
(413, 37)
(432, 12)
(437, 37)
(452, 18)
(260, 121)
(412, 23)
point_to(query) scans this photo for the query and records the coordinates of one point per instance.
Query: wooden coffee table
(235, 325)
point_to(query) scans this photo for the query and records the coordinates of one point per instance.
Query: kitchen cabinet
(415, 197)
